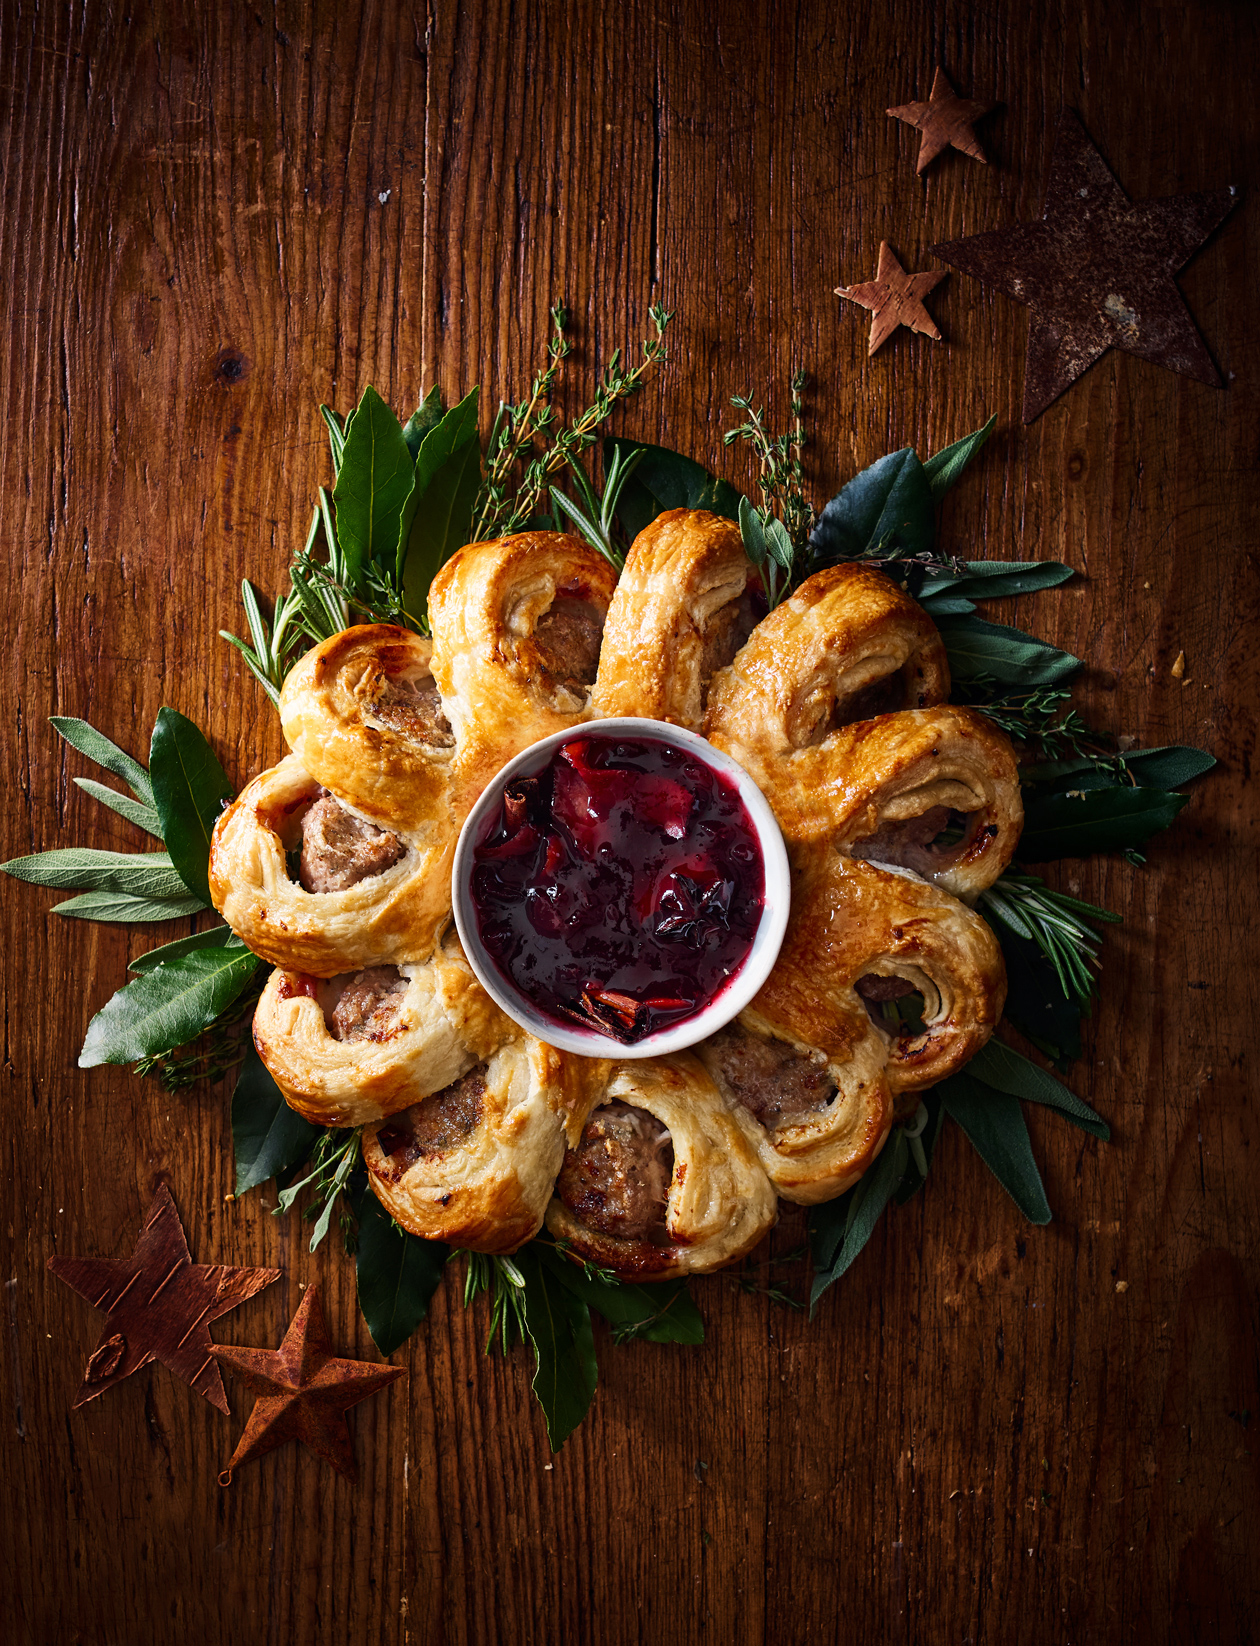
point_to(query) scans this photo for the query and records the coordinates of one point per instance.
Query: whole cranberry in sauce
(621, 886)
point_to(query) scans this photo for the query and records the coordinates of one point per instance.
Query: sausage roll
(662, 1181)
(847, 646)
(353, 1049)
(474, 1163)
(311, 885)
(683, 608)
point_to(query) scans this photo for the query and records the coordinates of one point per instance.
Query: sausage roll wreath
(335, 866)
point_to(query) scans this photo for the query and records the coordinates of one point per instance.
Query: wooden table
(217, 218)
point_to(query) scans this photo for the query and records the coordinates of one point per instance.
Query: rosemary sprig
(1055, 922)
(504, 1284)
(335, 1156)
(594, 520)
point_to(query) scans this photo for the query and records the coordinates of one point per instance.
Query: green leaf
(144, 817)
(189, 788)
(1002, 653)
(1095, 820)
(752, 533)
(559, 1327)
(216, 937)
(440, 510)
(427, 416)
(999, 579)
(98, 747)
(887, 507)
(945, 469)
(269, 1137)
(1036, 1002)
(374, 483)
(1005, 1070)
(779, 543)
(839, 1229)
(167, 1007)
(1163, 768)
(945, 605)
(69, 868)
(656, 1313)
(665, 479)
(995, 1124)
(914, 1177)
(124, 908)
(397, 1274)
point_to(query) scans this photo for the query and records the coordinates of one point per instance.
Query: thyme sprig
(1056, 923)
(775, 532)
(499, 508)
(1036, 717)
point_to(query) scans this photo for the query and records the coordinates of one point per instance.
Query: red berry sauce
(620, 887)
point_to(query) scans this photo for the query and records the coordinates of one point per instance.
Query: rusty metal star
(944, 121)
(159, 1304)
(895, 298)
(1097, 271)
(304, 1392)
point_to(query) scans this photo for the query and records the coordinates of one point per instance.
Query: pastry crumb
(1122, 1285)
(1179, 667)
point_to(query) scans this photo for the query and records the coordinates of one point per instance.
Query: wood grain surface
(215, 216)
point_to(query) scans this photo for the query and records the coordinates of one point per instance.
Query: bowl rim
(739, 991)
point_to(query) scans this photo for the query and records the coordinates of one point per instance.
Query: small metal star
(895, 298)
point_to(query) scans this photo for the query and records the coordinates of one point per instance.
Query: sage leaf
(124, 908)
(752, 534)
(995, 1124)
(999, 579)
(888, 507)
(438, 518)
(1162, 768)
(87, 740)
(945, 469)
(559, 1327)
(135, 811)
(1006, 1070)
(189, 788)
(665, 479)
(978, 648)
(69, 868)
(945, 605)
(167, 1007)
(661, 1312)
(269, 1138)
(374, 482)
(216, 937)
(427, 415)
(1094, 820)
(397, 1274)
(839, 1229)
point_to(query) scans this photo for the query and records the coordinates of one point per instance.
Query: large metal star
(304, 1391)
(1097, 271)
(159, 1304)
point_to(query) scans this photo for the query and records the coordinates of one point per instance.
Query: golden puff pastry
(354, 1049)
(889, 789)
(663, 1180)
(361, 895)
(474, 1163)
(847, 646)
(517, 626)
(365, 718)
(683, 608)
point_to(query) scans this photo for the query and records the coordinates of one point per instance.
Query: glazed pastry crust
(388, 917)
(820, 660)
(489, 1193)
(444, 1025)
(681, 609)
(502, 689)
(864, 778)
(720, 1200)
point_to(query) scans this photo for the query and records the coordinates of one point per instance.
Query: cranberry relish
(620, 887)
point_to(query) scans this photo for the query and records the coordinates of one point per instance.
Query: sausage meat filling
(413, 706)
(339, 849)
(778, 1085)
(434, 1125)
(927, 843)
(363, 1005)
(617, 1179)
(569, 635)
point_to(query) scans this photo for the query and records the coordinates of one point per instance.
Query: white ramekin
(737, 993)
